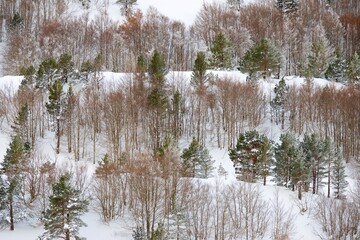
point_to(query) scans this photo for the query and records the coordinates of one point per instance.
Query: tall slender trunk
(58, 135)
(11, 212)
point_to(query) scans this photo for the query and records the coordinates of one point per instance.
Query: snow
(122, 227)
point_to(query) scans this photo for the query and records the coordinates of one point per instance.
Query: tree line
(310, 38)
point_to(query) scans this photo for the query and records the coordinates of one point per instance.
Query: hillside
(182, 120)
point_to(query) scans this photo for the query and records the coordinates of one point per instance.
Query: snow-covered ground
(122, 228)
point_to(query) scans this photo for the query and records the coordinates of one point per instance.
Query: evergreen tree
(353, 70)
(157, 100)
(330, 154)
(313, 149)
(10, 178)
(337, 69)
(29, 75)
(197, 161)
(260, 59)
(21, 124)
(265, 158)
(278, 103)
(299, 171)
(62, 217)
(55, 108)
(47, 73)
(157, 70)
(16, 22)
(284, 158)
(221, 52)
(320, 57)
(338, 177)
(177, 110)
(126, 6)
(287, 6)
(235, 4)
(139, 233)
(199, 78)
(65, 66)
(248, 155)
(221, 171)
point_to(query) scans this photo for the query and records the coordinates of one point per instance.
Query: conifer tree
(47, 73)
(337, 68)
(221, 52)
(260, 59)
(126, 6)
(199, 81)
(299, 171)
(197, 161)
(157, 100)
(338, 177)
(313, 149)
(62, 217)
(284, 155)
(287, 6)
(221, 171)
(353, 70)
(139, 233)
(199, 78)
(235, 4)
(278, 103)
(21, 124)
(248, 155)
(65, 66)
(55, 108)
(320, 57)
(10, 178)
(265, 158)
(29, 75)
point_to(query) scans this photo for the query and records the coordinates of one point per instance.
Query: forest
(121, 116)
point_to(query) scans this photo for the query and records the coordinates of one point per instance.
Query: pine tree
(197, 161)
(284, 155)
(21, 122)
(353, 70)
(278, 103)
(320, 57)
(235, 4)
(65, 66)
(62, 217)
(199, 78)
(260, 59)
(313, 149)
(287, 6)
(47, 73)
(221, 171)
(199, 81)
(126, 6)
(157, 100)
(338, 177)
(265, 158)
(247, 155)
(10, 177)
(55, 108)
(221, 52)
(337, 69)
(299, 171)
(139, 233)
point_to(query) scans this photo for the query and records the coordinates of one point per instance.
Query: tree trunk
(11, 212)
(58, 135)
